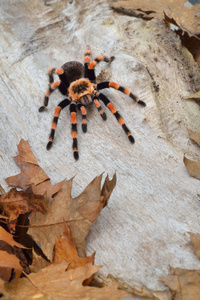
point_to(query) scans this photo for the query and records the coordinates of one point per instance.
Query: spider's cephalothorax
(81, 91)
(78, 84)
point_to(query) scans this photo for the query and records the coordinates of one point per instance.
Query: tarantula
(78, 84)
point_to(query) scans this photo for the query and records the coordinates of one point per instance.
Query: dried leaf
(79, 212)
(8, 238)
(16, 202)
(195, 136)
(65, 249)
(193, 167)
(195, 238)
(192, 44)
(184, 284)
(9, 261)
(31, 173)
(53, 282)
(195, 95)
(38, 263)
(186, 18)
(108, 188)
(5, 272)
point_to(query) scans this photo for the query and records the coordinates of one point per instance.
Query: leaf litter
(60, 268)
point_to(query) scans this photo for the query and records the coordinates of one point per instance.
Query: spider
(78, 84)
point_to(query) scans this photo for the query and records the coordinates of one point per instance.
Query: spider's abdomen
(73, 70)
(81, 91)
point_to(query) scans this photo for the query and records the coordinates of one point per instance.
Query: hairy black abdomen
(73, 70)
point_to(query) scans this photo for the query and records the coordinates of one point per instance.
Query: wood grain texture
(144, 228)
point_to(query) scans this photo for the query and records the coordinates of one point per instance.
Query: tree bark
(145, 226)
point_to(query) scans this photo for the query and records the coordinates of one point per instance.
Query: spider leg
(92, 65)
(74, 130)
(84, 118)
(57, 111)
(116, 86)
(89, 66)
(87, 55)
(52, 87)
(100, 109)
(52, 71)
(120, 120)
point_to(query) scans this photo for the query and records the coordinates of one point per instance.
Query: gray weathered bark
(144, 228)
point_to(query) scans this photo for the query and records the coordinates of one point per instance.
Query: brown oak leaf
(8, 238)
(65, 249)
(183, 284)
(31, 173)
(79, 213)
(195, 136)
(193, 167)
(53, 282)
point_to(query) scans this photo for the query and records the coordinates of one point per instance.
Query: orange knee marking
(129, 133)
(112, 108)
(92, 64)
(53, 126)
(73, 118)
(55, 85)
(114, 85)
(87, 59)
(74, 134)
(100, 57)
(83, 110)
(87, 52)
(96, 102)
(84, 121)
(137, 99)
(59, 71)
(47, 93)
(50, 139)
(121, 121)
(127, 92)
(57, 111)
(101, 111)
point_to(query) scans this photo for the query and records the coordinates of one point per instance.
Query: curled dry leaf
(186, 18)
(184, 284)
(193, 167)
(8, 238)
(195, 136)
(16, 202)
(9, 261)
(53, 282)
(31, 173)
(79, 213)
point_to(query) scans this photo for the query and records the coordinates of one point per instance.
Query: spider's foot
(141, 103)
(104, 117)
(131, 139)
(49, 145)
(42, 108)
(84, 127)
(112, 58)
(76, 156)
